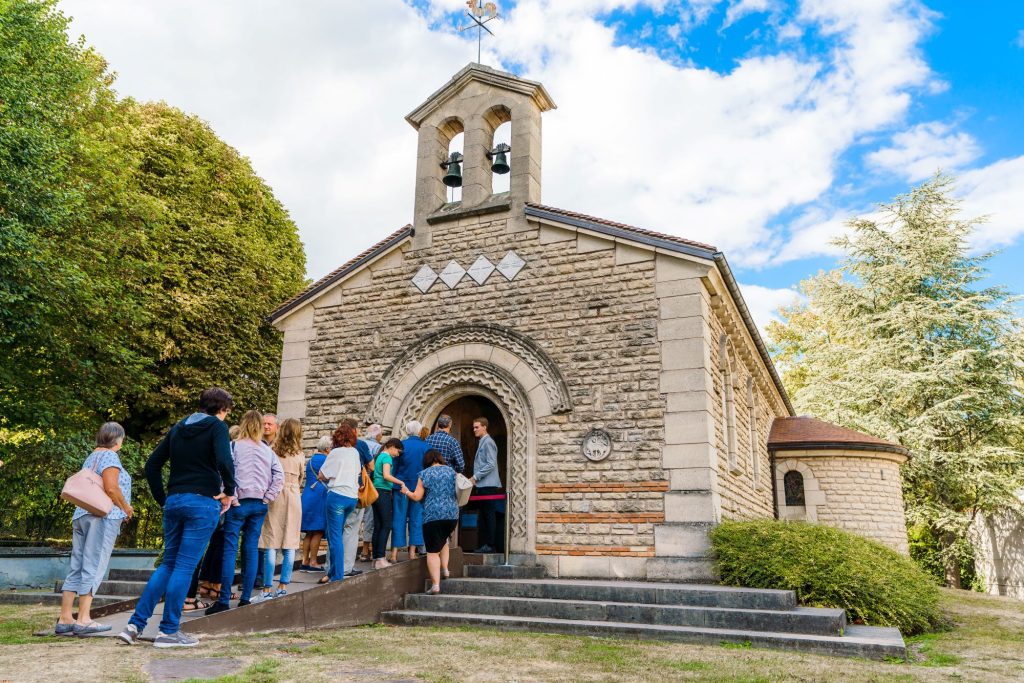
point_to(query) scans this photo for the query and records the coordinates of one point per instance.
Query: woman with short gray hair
(92, 539)
(314, 508)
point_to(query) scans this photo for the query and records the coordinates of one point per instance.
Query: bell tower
(475, 102)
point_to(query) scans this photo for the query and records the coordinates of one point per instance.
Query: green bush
(827, 567)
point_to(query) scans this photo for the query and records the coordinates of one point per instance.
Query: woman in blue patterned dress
(436, 488)
(314, 499)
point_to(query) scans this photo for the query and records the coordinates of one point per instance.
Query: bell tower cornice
(476, 102)
(484, 74)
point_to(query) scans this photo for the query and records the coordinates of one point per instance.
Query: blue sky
(759, 126)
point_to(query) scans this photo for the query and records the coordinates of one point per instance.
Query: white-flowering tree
(903, 341)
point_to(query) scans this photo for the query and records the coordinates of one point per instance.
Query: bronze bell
(453, 172)
(499, 159)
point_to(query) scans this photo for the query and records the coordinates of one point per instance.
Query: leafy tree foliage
(902, 341)
(139, 256)
(62, 353)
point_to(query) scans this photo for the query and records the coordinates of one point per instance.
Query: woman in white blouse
(341, 473)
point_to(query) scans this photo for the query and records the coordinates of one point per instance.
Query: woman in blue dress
(314, 500)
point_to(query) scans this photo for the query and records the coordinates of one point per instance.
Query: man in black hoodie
(200, 488)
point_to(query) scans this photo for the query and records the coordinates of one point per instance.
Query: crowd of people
(251, 491)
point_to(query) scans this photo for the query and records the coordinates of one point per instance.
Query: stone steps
(16, 598)
(505, 571)
(626, 591)
(799, 620)
(858, 641)
(682, 612)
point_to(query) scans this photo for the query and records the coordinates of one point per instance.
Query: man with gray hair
(409, 511)
(449, 446)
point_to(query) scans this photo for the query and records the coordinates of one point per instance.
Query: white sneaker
(263, 597)
(130, 635)
(281, 592)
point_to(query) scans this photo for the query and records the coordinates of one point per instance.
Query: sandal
(324, 579)
(193, 604)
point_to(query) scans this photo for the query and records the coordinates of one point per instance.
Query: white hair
(373, 431)
(324, 445)
(413, 427)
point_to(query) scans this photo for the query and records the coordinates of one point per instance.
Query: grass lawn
(986, 644)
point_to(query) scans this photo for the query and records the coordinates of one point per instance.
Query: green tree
(62, 309)
(220, 253)
(904, 342)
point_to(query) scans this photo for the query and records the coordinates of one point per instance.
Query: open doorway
(463, 411)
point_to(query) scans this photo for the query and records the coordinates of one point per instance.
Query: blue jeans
(339, 507)
(189, 521)
(270, 559)
(412, 511)
(246, 519)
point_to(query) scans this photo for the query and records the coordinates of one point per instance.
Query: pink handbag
(84, 488)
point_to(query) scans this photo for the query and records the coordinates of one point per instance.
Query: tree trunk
(951, 562)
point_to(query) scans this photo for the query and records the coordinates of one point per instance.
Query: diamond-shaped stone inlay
(510, 265)
(481, 270)
(452, 273)
(424, 278)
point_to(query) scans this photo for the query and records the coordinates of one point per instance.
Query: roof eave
(837, 445)
(282, 311)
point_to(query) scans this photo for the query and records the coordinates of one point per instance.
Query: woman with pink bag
(93, 537)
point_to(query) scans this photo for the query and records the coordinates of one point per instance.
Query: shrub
(828, 567)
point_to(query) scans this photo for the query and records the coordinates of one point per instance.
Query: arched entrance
(463, 411)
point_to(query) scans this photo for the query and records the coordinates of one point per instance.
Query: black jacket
(200, 453)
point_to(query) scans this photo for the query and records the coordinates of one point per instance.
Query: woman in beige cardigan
(281, 528)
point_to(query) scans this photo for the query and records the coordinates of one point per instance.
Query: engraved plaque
(424, 278)
(481, 270)
(452, 273)
(597, 445)
(510, 265)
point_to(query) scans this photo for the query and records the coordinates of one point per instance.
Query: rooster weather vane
(481, 13)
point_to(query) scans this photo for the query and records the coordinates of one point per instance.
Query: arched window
(501, 182)
(755, 464)
(793, 483)
(456, 145)
(727, 361)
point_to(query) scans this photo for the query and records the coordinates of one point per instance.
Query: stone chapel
(632, 397)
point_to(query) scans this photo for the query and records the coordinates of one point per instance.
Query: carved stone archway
(450, 381)
(511, 351)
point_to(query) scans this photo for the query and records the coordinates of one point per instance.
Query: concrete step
(130, 574)
(131, 589)
(626, 591)
(858, 641)
(15, 598)
(504, 571)
(799, 620)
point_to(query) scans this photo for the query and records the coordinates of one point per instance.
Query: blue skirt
(314, 503)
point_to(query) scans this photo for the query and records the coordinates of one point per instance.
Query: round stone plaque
(597, 445)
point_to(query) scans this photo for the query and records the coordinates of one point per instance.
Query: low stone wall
(40, 567)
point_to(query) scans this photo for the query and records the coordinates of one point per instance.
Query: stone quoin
(634, 402)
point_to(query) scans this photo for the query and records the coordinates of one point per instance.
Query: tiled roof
(335, 275)
(622, 226)
(806, 432)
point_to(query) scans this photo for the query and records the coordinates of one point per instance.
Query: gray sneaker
(130, 635)
(89, 629)
(178, 639)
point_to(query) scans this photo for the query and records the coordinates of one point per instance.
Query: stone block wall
(999, 553)
(589, 305)
(859, 491)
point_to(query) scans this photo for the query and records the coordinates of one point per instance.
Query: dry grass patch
(986, 644)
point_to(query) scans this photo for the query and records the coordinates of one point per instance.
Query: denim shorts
(92, 542)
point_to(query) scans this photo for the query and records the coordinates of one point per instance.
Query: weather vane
(477, 10)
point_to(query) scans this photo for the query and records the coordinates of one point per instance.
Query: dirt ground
(986, 644)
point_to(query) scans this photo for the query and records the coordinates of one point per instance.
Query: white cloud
(995, 191)
(315, 94)
(922, 150)
(1019, 41)
(764, 303)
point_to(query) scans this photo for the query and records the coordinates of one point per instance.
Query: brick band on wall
(604, 487)
(596, 550)
(601, 517)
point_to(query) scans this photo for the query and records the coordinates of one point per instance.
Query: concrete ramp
(356, 601)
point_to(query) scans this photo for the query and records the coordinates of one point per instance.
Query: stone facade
(643, 337)
(855, 490)
(999, 552)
